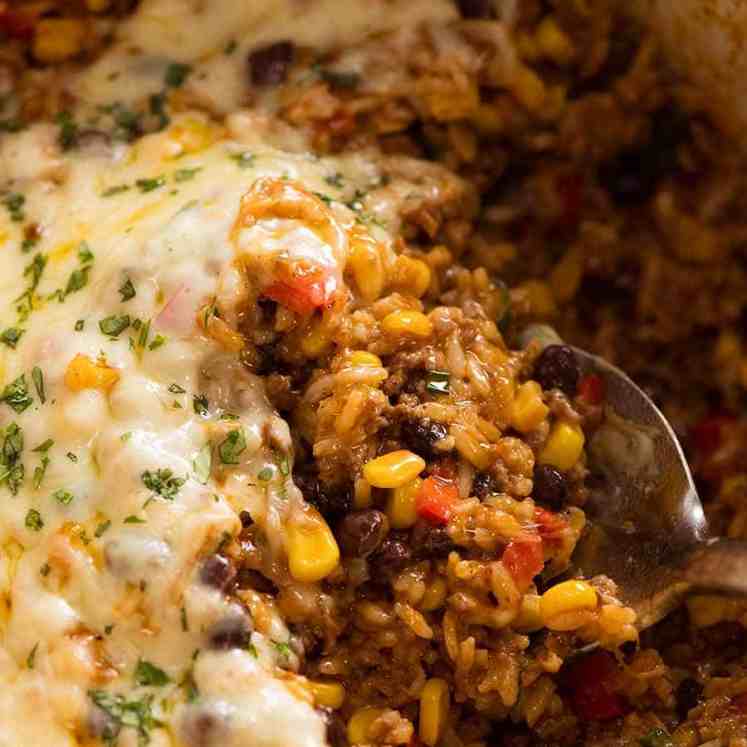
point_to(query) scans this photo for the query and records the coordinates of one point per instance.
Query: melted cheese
(164, 224)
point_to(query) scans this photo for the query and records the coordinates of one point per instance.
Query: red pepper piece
(524, 559)
(550, 526)
(435, 500)
(303, 293)
(591, 389)
(590, 684)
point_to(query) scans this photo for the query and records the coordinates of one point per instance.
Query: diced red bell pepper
(435, 500)
(17, 24)
(523, 559)
(303, 293)
(591, 389)
(550, 526)
(590, 684)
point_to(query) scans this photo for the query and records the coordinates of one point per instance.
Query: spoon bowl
(646, 527)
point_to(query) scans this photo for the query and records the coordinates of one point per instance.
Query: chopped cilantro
(14, 203)
(11, 336)
(326, 199)
(202, 464)
(40, 471)
(176, 389)
(334, 180)
(232, 446)
(78, 279)
(184, 175)
(16, 394)
(108, 629)
(29, 243)
(176, 74)
(85, 255)
(157, 342)
(244, 160)
(127, 290)
(148, 185)
(34, 520)
(79, 325)
(149, 675)
(265, 474)
(125, 437)
(67, 136)
(437, 382)
(31, 657)
(123, 713)
(200, 404)
(113, 326)
(65, 497)
(252, 649)
(185, 622)
(43, 447)
(101, 528)
(72, 457)
(38, 378)
(163, 482)
(12, 470)
(283, 649)
(117, 189)
(45, 570)
(231, 47)
(132, 519)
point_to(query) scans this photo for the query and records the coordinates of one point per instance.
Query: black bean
(687, 695)
(269, 65)
(557, 368)
(422, 435)
(483, 485)
(218, 571)
(362, 532)
(337, 735)
(428, 541)
(549, 486)
(246, 519)
(391, 557)
(231, 632)
(331, 501)
(248, 578)
(474, 8)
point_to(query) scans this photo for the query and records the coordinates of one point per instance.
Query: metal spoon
(647, 530)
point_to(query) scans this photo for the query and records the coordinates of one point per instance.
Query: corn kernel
(400, 507)
(529, 618)
(560, 603)
(83, 373)
(563, 446)
(364, 358)
(326, 694)
(434, 711)
(312, 549)
(393, 470)
(365, 264)
(407, 322)
(411, 275)
(315, 342)
(553, 42)
(58, 39)
(528, 410)
(360, 722)
(435, 595)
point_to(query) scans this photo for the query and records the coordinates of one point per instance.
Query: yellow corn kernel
(563, 446)
(58, 39)
(360, 722)
(553, 43)
(407, 322)
(312, 549)
(83, 373)
(528, 410)
(366, 266)
(560, 603)
(411, 275)
(529, 618)
(361, 494)
(315, 342)
(393, 470)
(364, 358)
(528, 89)
(400, 507)
(565, 277)
(326, 694)
(434, 711)
(435, 595)
(540, 298)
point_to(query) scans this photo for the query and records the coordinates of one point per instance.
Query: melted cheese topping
(123, 377)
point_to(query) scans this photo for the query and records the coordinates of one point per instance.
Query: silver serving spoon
(647, 531)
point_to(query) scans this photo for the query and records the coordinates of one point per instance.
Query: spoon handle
(719, 565)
